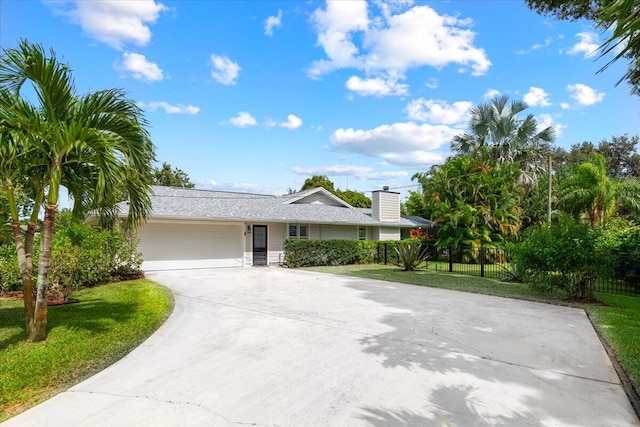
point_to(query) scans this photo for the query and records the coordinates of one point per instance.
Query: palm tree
(95, 144)
(497, 134)
(589, 191)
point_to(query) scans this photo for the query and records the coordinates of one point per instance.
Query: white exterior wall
(349, 232)
(173, 245)
(387, 233)
(386, 206)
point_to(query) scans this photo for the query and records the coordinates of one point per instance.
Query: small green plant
(410, 255)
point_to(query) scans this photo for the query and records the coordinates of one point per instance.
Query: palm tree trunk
(37, 331)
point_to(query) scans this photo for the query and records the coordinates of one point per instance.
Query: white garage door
(169, 246)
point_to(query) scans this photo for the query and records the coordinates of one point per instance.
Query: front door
(260, 245)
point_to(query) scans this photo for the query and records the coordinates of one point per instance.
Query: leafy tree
(171, 177)
(620, 154)
(474, 202)
(497, 134)
(622, 15)
(354, 198)
(318, 181)
(588, 191)
(95, 145)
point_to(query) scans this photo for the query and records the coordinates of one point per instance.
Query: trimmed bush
(314, 252)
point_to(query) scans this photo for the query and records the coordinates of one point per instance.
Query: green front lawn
(84, 338)
(618, 320)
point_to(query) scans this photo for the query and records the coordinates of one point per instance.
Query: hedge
(315, 252)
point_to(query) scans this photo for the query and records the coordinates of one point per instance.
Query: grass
(619, 322)
(83, 339)
(618, 319)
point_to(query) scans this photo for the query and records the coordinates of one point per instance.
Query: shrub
(81, 256)
(313, 252)
(9, 274)
(628, 259)
(560, 257)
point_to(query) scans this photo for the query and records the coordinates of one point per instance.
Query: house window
(298, 231)
(362, 233)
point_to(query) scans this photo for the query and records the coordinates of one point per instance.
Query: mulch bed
(51, 298)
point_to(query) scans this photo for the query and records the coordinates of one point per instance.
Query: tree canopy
(354, 198)
(498, 134)
(171, 177)
(474, 202)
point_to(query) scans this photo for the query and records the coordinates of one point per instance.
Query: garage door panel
(173, 246)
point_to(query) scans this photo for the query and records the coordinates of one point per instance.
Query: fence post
(482, 261)
(450, 247)
(385, 253)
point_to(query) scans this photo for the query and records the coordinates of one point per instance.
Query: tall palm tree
(497, 134)
(94, 144)
(588, 190)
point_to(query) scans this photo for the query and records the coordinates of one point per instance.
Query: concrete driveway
(278, 347)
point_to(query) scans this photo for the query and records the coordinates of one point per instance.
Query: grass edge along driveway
(617, 319)
(84, 338)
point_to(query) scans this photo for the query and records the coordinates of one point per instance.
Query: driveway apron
(277, 347)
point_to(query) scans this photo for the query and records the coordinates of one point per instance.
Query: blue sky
(259, 95)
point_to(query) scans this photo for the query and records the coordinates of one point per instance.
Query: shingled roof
(195, 204)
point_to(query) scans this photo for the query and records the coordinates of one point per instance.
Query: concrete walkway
(278, 347)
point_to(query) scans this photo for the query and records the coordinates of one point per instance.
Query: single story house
(191, 228)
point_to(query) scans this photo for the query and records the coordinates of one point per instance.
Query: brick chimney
(386, 205)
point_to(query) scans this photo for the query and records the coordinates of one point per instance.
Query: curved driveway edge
(278, 347)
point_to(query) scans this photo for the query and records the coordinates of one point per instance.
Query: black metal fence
(496, 263)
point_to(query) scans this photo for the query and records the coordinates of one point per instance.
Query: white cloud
(584, 95)
(537, 46)
(376, 87)
(113, 22)
(169, 108)
(140, 67)
(272, 22)
(243, 119)
(334, 26)
(224, 70)
(439, 112)
(397, 143)
(546, 120)
(359, 172)
(537, 97)
(491, 93)
(421, 36)
(393, 43)
(565, 105)
(293, 122)
(432, 83)
(587, 45)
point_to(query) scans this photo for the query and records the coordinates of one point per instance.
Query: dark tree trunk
(37, 331)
